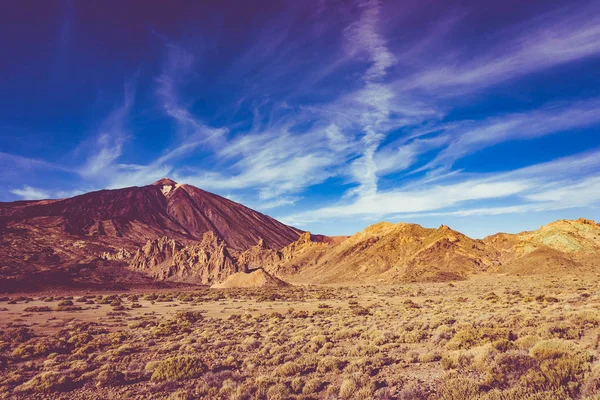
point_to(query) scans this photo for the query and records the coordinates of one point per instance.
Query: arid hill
(253, 279)
(390, 253)
(560, 245)
(56, 241)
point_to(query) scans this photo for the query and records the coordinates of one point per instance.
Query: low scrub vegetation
(481, 340)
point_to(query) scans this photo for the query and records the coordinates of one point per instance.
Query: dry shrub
(38, 309)
(109, 376)
(176, 368)
(40, 347)
(251, 343)
(330, 364)
(561, 367)
(16, 335)
(47, 382)
(412, 391)
(458, 388)
(319, 340)
(290, 368)
(591, 386)
(428, 357)
(348, 388)
(312, 386)
(508, 368)
(297, 384)
(189, 316)
(278, 391)
(470, 337)
(455, 359)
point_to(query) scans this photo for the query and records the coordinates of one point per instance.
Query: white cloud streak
(375, 96)
(563, 183)
(31, 193)
(553, 39)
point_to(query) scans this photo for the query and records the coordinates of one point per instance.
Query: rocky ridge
(393, 253)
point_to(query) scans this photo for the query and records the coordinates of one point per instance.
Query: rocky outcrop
(287, 261)
(203, 263)
(154, 253)
(120, 255)
(211, 260)
(563, 245)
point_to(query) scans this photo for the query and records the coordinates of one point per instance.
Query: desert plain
(493, 336)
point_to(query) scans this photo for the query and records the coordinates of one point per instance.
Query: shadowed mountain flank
(50, 236)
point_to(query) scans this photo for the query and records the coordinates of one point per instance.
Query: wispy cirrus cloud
(276, 163)
(470, 136)
(31, 193)
(106, 147)
(555, 38)
(192, 131)
(559, 184)
(375, 96)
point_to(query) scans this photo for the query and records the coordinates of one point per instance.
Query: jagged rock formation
(211, 261)
(254, 279)
(203, 263)
(154, 253)
(287, 261)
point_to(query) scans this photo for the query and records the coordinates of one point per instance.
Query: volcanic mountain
(59, 241)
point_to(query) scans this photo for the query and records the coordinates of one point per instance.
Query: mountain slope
(389, 253)
(163, 208)
(52, 235)
(559, 246)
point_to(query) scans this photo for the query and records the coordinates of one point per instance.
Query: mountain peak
(165, 182)
(167, 185)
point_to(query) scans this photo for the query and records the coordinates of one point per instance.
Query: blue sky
(328, 115)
